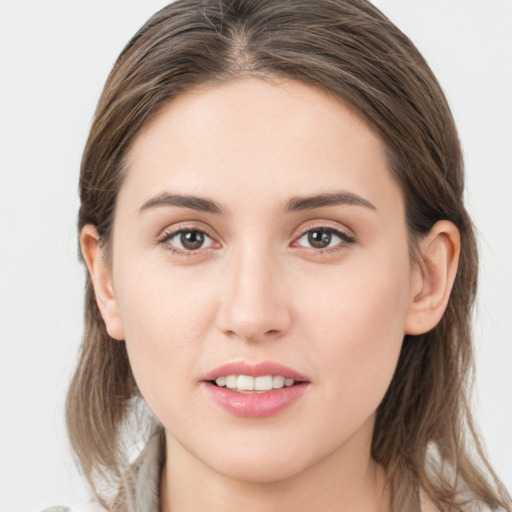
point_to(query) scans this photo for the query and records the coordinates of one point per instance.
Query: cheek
(166, 319)
(358, 334)
(161, 301)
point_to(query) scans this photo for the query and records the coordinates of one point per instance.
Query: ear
(102, 281)
(433, 277)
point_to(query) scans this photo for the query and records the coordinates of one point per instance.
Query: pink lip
(255, 405)
(255, 370)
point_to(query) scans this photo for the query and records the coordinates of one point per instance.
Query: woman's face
(258, 226)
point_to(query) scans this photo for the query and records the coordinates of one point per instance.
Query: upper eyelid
(179, 227)
(334, 231)
(323, 228)
(345, 240)
(324, 225)
(172, 234)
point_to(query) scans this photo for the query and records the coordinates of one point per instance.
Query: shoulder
(92, 507)
(426, 505)
(140, 482)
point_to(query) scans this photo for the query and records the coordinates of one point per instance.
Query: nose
(254, 305)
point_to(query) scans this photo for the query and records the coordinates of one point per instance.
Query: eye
(323, 238)
(187, 240)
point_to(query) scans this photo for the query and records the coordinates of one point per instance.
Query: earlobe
(433, 277)
(102, 281)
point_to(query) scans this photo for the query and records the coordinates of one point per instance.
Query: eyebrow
(329, 199)
(293, 205)
(183, 201)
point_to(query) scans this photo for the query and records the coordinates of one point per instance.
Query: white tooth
(220, 381)
(277, 381)
(231, 381)
(245, 383)
(289, 382)
(263, 383)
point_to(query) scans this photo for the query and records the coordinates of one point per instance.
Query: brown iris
(192, 240)
(319, 239)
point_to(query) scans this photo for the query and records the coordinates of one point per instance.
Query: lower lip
(255, 405)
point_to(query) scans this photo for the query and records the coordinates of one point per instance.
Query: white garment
(91, 507)
(141, 482)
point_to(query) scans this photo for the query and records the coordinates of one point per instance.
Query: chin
(260, 472)
(253, 464)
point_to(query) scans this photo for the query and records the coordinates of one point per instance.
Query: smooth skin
(329, 291)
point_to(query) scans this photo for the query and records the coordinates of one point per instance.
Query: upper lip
(255, 370)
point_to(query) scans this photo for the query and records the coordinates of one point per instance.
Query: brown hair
(424, 429)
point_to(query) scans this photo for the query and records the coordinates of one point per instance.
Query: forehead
(252, 136)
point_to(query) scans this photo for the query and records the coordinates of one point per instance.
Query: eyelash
(346, 240)
(168, 235)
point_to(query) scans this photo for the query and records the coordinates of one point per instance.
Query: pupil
(319, 239)
(192, 239)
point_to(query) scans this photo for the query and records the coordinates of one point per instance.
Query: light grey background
(54, 58)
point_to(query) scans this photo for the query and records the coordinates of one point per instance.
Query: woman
(280, 266)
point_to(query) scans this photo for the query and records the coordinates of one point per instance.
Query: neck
(345, 480)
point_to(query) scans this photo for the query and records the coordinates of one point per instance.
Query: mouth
(261, 377)
(249, 384)
(255, 391)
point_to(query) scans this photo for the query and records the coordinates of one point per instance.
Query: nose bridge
(254, 306)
